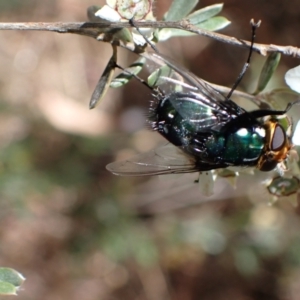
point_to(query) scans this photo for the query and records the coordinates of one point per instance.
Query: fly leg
(246, 65)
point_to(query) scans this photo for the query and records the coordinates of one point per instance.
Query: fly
(205, 129)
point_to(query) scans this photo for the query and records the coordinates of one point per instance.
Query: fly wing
(188, 80)
(167, 159)
(186, 91)
(199, 113)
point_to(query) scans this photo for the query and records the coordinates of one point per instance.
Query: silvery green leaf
(91, 13)
(128, 73)
(214, 23)
(11, 276)
(95, 15)
(204, 13)
(157, 77)
(166, 33)
(10, 281)
(292, 79)
(103, 83)
(7, 288)
(180, 9)
(123, 34)
(267, 71)
(139, 37)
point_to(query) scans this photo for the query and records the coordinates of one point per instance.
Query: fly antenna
(254, 26)
(132, 23)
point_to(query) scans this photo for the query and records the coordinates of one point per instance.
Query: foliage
(75, 230)
(10, 281)
(113, 11)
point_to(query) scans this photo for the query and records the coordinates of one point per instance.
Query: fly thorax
(276, 148)
(238, 146)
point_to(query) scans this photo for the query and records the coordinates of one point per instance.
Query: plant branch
(93, 30)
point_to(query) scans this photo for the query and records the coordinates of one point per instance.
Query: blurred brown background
(77, 232)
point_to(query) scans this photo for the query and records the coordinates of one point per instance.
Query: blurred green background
(77, 232)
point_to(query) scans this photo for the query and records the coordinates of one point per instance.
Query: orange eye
(276, 148)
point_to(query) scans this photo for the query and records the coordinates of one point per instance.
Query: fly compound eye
(278, 139)
(277, 148)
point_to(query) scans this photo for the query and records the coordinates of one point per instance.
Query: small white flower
(124, 10)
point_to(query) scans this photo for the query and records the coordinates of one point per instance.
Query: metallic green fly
(206, 129)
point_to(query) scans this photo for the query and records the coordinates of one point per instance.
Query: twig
(93, 30)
